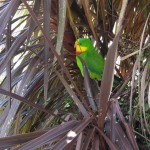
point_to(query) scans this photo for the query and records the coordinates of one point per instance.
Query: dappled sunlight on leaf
(70, 136)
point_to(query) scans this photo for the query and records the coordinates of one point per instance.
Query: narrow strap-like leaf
(29, 102)
(73, 96)
(46, 6)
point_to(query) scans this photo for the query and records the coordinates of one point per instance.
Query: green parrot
(94, 60)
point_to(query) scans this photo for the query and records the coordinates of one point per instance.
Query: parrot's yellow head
(82, 45)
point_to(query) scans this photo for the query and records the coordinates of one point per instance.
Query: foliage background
(44, 102)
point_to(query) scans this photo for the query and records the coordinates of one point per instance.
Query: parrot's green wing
(94, 62)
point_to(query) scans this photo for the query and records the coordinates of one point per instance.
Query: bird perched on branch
(94, 60)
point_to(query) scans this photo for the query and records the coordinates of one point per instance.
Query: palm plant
(45, 103)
